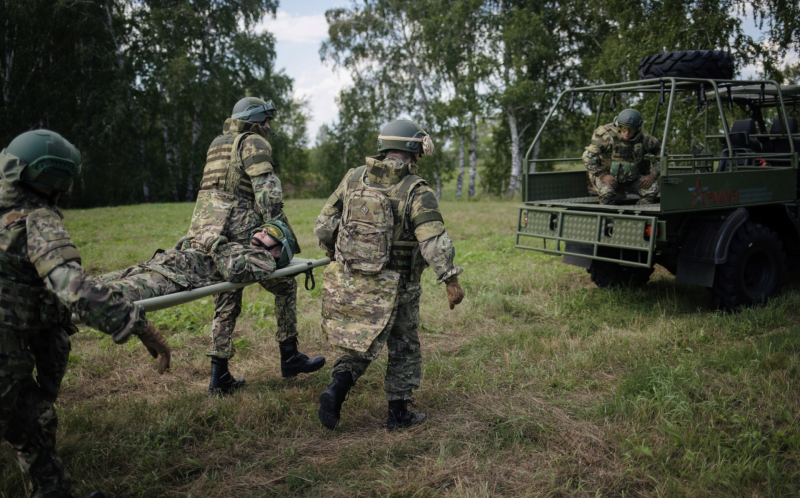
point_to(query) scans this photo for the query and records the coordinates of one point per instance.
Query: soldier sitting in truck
(615, 160)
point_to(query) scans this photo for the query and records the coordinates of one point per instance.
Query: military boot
(330, 401)
(222, 382)
(294, 362)
(400, 417)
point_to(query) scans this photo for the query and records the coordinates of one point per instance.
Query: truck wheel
(605, 274)
(754, 270)
(705, 64)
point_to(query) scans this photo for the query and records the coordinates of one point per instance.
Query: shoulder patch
(428, 200)
(49, 243)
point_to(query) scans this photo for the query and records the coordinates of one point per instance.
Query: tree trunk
(460, 180)
(169, 158)
(438, 179)
(197, 127)
(516, 160)
(473, 158)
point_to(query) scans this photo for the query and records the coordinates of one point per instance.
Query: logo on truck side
(704, 197)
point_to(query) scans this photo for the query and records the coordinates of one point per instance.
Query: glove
(648, 180)
(156, 345)
(455, 294)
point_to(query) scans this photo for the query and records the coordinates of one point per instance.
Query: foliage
(140, 87)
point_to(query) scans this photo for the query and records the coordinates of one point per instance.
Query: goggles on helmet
(282, 241)
(629, 129)
(257, 113)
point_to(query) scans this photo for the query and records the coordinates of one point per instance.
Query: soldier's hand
(330, 254)
(648, 180)
(455, 294)
(609, 180)
(157, 346)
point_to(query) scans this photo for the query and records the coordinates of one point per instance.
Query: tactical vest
(373, 233)
(25, 302)
(224, 169)
(627, 157)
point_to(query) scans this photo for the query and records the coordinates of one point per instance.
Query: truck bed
(593, 204)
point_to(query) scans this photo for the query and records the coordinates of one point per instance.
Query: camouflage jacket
(239, 190)
(435, 246)
(607, 146)
(356, 305)
(33, 245)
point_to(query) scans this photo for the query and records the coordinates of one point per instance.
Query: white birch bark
(460, 179)
(473, 158)
(516, 160)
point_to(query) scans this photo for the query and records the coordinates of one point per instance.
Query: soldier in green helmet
(383, 227)
(238, 193)
(616, 163)
(41, 284)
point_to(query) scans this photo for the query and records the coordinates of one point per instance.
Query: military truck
(727, 217)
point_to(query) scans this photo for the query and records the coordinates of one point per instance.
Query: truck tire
(605, 274)
(704, 64)
(754, 269)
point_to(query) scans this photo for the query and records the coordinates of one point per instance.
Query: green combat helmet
(406, 135)
(629, 117)
(281, 232)
(41, 158)
(253, 110)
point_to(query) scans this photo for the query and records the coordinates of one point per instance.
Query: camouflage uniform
(41, 285)
(362, 311)
(238, 193)
(202, 263)
(608, 147)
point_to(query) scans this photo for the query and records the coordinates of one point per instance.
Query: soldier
(616, 160)
(42, 284)
(383, 226)
(206, 261)
(238, 193)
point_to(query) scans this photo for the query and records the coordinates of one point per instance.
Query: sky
(299, 29)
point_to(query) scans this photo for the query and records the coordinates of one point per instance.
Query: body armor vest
(627, 156)
(374, 233)
(224, 169)
(25, 302)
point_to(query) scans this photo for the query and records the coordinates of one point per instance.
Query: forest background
(142, 87)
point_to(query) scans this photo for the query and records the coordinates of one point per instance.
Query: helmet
(281, 232)
(253, 110)
(404, 134)
(45, 160)
(629, 117)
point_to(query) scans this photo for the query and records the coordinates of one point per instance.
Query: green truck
(728, 216)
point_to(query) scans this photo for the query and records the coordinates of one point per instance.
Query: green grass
(539, 384)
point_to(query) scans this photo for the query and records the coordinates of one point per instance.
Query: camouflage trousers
(609, 195)
(28, 420)
(228, 307)
(401, 335)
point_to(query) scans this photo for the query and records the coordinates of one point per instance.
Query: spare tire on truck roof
(702, 64)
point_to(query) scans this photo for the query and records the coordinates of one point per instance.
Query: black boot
(294, 362)
(330, 401)
(222, 382)
(400, 417)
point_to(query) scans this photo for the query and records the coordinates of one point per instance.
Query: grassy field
(539, 384)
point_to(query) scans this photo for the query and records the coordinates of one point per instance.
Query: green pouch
(614, 171)
(623, 172)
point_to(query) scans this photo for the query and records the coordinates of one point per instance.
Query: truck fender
(725, 234)
(705, 245)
